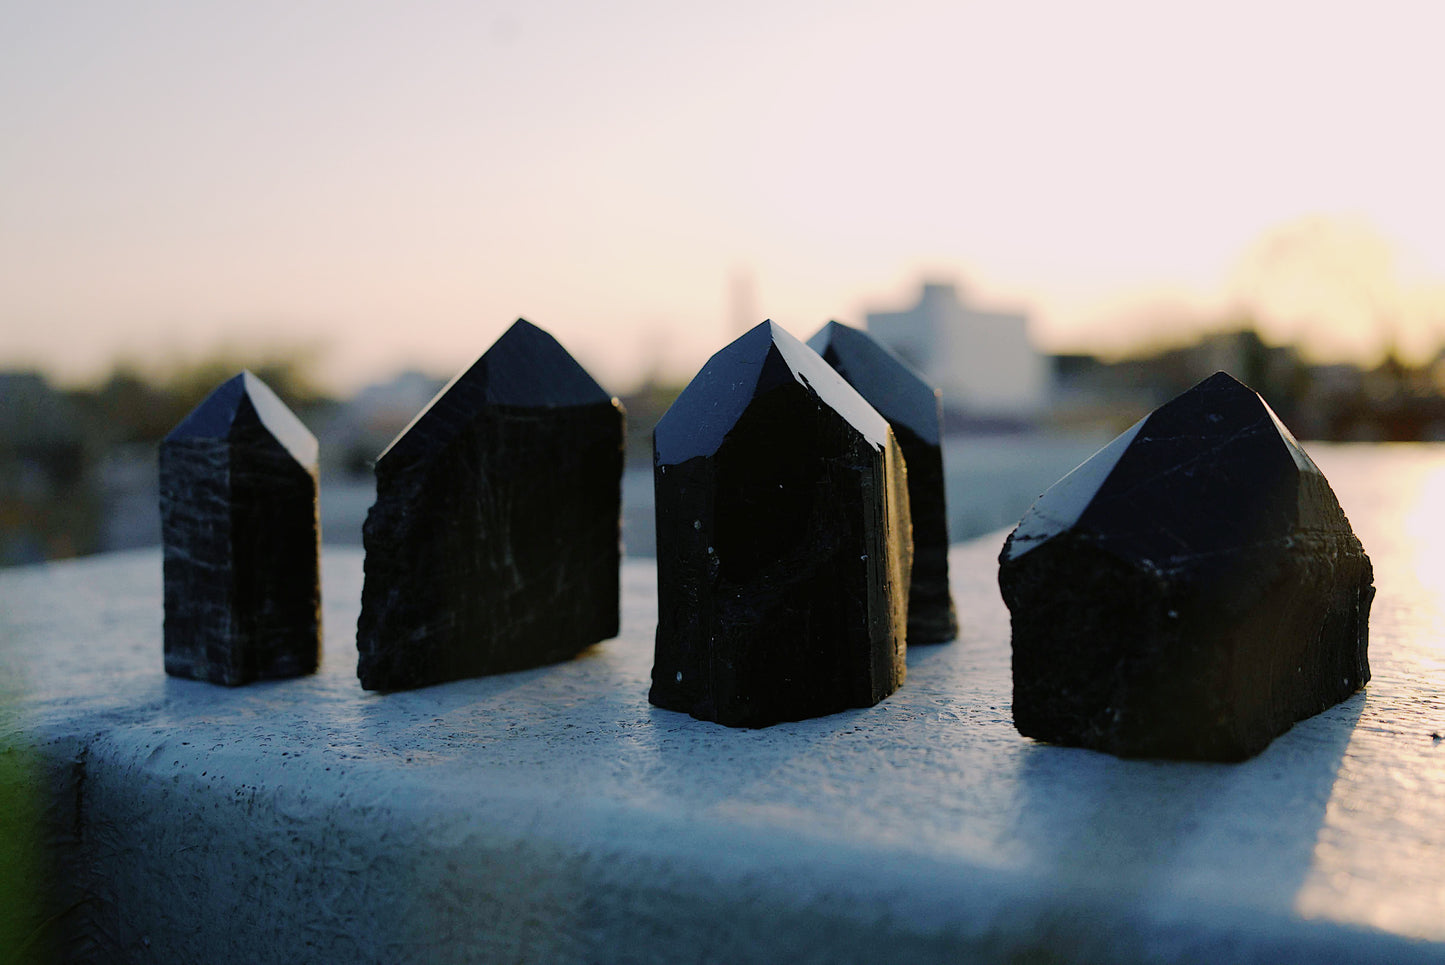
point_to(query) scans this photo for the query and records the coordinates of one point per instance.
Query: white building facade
(983, 362)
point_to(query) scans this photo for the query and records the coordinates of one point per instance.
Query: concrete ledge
(554, 815)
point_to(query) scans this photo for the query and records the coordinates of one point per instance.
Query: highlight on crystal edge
(914, 410)
(783, 548)
(241, 539)
(1190, 591)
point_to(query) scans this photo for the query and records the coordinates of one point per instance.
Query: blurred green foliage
(25, 932)
(54, 444)
(136, 404)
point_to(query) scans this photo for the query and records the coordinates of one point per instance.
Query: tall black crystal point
(783, 551)
(1191, 591)
(914, 409)
(494, 543)
(242, 539)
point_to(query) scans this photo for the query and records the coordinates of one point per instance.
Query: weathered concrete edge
(168, 867)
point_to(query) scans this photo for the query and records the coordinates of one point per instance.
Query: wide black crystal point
(1191, 591)
(783, 548)
(914, 409)
(241, 538)
(494, 543)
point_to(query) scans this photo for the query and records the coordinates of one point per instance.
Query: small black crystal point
(783, 543)
(1190, 591)
(914, 409)
(242, 539)
(494, 542)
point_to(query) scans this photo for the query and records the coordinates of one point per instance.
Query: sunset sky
(396, 183)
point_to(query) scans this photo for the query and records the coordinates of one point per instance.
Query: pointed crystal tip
(238, 399)
(892, 386)
(760, 360)
(525, 367)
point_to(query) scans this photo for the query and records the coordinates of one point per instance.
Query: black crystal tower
(1190, 591)
(494, 543)
(782, 541)
(241, 539)
(914, 410)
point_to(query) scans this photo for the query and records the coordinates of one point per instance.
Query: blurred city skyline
(390, 186)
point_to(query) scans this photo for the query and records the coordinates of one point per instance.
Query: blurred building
(1392, 402)
(48, 506)
(1088, 390)
(358, 430)
(982, 361)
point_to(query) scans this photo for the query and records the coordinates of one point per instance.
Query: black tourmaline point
(782, 541)
(494, 543)
(1191, 591)
(914, 409)
(242, 539)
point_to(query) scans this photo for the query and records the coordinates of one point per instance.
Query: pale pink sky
(398, 182)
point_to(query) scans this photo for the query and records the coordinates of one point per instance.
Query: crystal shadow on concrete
(1190, 591)
(494, 543)
(914, 409)
(242, 539)
(783, 552)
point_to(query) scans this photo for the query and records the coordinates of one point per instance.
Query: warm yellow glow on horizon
(399, 184)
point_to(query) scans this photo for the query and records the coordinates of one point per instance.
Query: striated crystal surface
(1190, 591)
(494, 542)
(913, 409)
(241, 539)
(783, 552)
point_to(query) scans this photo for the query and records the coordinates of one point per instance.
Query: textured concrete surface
(553, 815)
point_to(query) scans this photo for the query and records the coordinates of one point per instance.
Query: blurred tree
(73, 462)
(136, 405)
(645, 405)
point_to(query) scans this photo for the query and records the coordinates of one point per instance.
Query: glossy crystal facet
(913, 409)
(782, 540)
(1190, 591)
